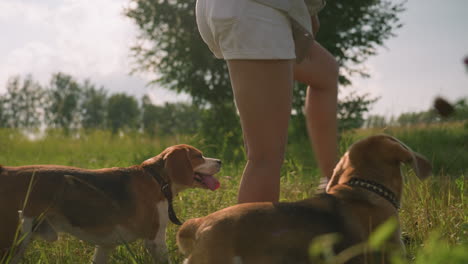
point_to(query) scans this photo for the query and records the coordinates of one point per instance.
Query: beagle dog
(105, 207)
(364, 192)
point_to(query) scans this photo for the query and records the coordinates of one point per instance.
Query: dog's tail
(186, 235)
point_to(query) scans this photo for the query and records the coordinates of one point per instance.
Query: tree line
(429, 116)
(69, 105)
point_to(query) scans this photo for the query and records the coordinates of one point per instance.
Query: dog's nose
(219, 162)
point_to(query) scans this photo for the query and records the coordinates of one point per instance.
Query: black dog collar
(376, 188)
(166, 190)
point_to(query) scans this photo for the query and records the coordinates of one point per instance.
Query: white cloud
(34, 57)
(30, 11)
(84, 38)
(89, 39)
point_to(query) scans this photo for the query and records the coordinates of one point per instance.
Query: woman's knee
(266, 157)
(328, 77)
(319, 70)
(334, 67)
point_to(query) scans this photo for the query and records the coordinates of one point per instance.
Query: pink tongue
(211, 182)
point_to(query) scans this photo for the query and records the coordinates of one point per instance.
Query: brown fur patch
(94, 194)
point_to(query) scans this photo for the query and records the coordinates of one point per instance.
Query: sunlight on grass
(438, 204)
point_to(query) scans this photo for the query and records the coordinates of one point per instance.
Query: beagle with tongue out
(105, 207)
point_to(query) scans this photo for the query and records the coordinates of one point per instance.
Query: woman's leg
(319, 70)
(263, 95)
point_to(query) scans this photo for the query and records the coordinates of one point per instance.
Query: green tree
(180, 118)
(22, 103)
(376, 121)
(63, 95)
(171, 118)
(461, 108)
(407, 119)
(3, 121)
(169, 44)
(431, 116)
(93, 106)
(351, 110)
(122, 113)
(150, 116)
(427, 117)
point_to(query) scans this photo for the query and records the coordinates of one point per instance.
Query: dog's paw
(321, 188)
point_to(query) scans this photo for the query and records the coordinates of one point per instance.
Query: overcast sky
(91, 39)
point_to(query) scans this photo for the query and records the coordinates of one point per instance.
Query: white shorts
(244, 29)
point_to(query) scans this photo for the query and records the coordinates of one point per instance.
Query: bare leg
(320, 72)
(263, 95)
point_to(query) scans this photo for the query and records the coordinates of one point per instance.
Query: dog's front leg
(101, 254)
(24, 238)
(157, 247)
(46, 231)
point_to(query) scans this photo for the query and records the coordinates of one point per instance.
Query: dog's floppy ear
(424, 167)
(421, 166)
(338, 170)
(178, 166)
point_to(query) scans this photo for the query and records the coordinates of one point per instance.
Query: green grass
(433, 214)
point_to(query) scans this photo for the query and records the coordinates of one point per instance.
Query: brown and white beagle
(105, 207)
(364, 192)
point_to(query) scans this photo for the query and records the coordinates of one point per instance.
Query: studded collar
(376, 188)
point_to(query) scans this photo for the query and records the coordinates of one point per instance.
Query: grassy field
(433, 214)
